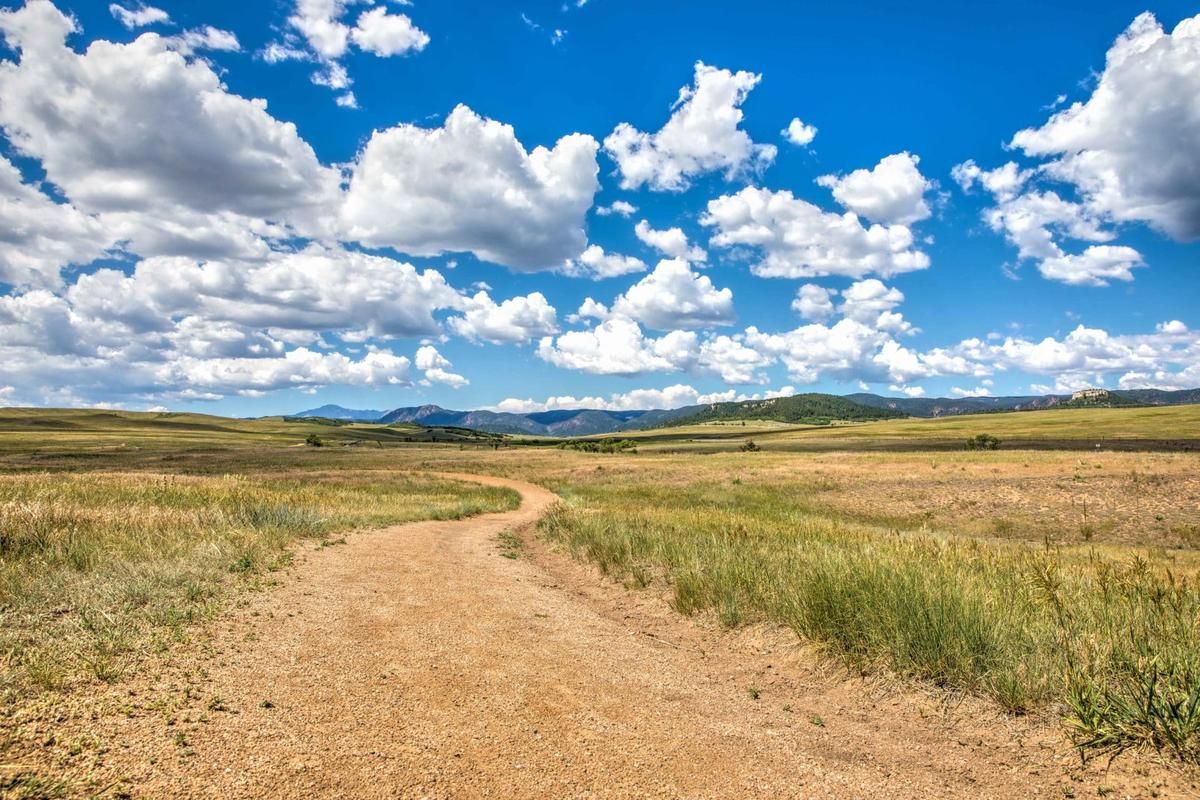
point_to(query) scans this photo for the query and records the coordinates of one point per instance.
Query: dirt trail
(416, 661)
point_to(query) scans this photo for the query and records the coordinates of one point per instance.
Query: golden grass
(1156, 422)
(1047, 579)
(97, 568)
(1111, 636)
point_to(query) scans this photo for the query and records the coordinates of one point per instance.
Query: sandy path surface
(416, 661)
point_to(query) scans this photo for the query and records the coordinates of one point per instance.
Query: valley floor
(419, 661)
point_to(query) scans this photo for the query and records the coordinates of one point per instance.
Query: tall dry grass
(1113, 643)
(99, 568)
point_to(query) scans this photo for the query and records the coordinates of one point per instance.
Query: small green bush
(984, 441)
(314, 441)
(601, 446)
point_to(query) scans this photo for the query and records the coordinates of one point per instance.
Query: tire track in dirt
(416, 662)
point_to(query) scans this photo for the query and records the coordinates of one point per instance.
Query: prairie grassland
(1109, 635)
(1141, 428)
(46, 436)
(98, 568)
(1055, 581)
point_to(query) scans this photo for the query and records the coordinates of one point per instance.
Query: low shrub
(983, 441)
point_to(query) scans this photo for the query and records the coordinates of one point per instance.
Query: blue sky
(170, 244)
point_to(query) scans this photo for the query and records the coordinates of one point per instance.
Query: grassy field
(36, 433)
(99, 568)
(1055, 580)
(1146, 428)
(1108, 634)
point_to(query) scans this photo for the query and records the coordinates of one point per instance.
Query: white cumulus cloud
(621, 208)
(672, 242)
(139, 16)
(798, 133)
(516, 320)
(596, 264)
(814, 302)
(892, 192)
(386, 34)
(1131, 149)
(437, 368)
(318, 32)
(673, 296)
(701, 136)
(799, 240)
(141, 128)
(471, 186)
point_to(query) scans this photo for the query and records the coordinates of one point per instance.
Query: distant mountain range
(573, 422)
(338, 412)
(799, 408)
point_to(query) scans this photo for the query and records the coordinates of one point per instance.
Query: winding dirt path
(416, 661)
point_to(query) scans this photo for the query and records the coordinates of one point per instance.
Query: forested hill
(814, 409)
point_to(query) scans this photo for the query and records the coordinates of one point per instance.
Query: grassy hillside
(40, 438)
(50, 431)
(1166, 428)
(1110, 400)
(1159, 424)
(811, 409)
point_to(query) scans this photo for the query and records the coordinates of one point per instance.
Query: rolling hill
(953, 406)
(813, 408)
(591, 421)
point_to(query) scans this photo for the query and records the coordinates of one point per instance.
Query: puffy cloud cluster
(303, 293)
(319, 33)
(38, 236)
(516, 320)
(1168, 358)
(471, 186)
(1036, 221)
(622, 208)
(814, 302)
(1129, 152)
(617, 346)
(437, 368)
(138, 17)
(1095, 266)
(862, 345)
(671, 242)
(180, 140)
(596, 264)
(1131, 148)
(891, 193)
(149, 143)
(300, 368)
(798, 133)
(701, 136)
(872, 303)
(176, 328)
(850, 350)
(672, 296)
(799, 240)
(669, 397)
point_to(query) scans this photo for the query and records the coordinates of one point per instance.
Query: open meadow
(1059, 584)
